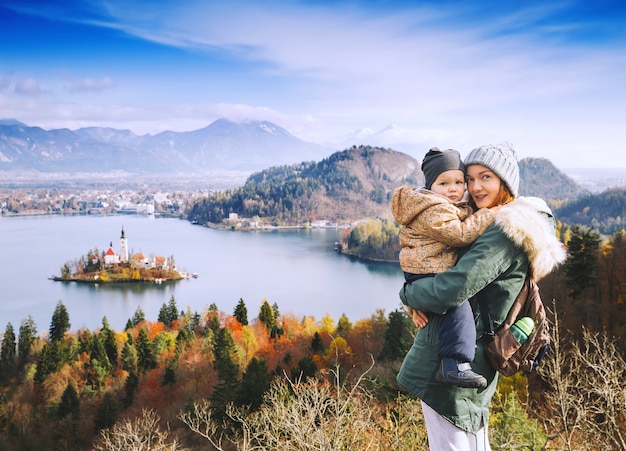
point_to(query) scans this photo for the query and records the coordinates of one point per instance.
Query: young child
(436, 223)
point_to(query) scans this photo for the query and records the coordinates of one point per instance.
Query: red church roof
(110, 251)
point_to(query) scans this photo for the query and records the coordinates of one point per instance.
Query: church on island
(138, 260)
(122, 266)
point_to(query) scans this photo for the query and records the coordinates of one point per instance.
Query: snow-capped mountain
(391, 137)
(224, 145)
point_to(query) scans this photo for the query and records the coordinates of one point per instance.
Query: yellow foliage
(516, 384)
(339, 350)
(328, 324)
(248, 342)
(308, 326)
(120, 339)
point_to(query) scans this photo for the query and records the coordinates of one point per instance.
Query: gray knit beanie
(501, 159)
(437, 161)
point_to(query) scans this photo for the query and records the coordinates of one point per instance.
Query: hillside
(606, 211)
(349, 185)
(540, 178)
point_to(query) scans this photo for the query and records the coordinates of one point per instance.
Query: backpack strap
(486, 318)
(486, 315)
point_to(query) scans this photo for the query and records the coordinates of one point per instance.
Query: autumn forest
(256, 378)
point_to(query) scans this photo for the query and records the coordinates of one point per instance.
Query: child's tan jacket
(434, 228)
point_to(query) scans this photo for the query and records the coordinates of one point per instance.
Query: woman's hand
(420, 319)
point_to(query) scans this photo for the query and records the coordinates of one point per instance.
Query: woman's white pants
(444, 436)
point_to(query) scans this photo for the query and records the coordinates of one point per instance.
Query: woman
(522, 239)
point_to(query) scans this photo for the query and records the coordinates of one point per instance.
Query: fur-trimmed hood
(529, 223)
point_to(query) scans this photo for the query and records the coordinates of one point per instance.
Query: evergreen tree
(276, 331)
(275, 310)
(168, 312)
(223, 350)
(8, 353)
(213, 320)
(145, 358)
(28, 333)
(183, 338)
(129, 358)
(130, 387)
(254, 383)
(97, 347)
(344, 326)
(69, 405)
(46, 364)
(398, 336)
(61, 353)
(107, 412)
(164, 315)
(139, 316)
(60, 323)
(172, 311)
(194, 323)
(213, 323)
(85, 342)
(241, 313)
(226, 389)
(99, 362)
(162, 342)
(306, 368)
(169, 376)
(266, 315)
(581, 276)
(581, 265)
(109, 342)
(317, 345)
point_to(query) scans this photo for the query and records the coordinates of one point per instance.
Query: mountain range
(224, 150)
(223, 146)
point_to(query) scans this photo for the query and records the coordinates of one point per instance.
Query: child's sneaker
(452, 372)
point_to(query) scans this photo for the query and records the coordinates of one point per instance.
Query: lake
(296, 269)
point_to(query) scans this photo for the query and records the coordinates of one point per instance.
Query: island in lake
(111, 266)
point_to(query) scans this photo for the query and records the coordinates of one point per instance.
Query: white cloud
(455, 77)
(28, 87)
(89, 85)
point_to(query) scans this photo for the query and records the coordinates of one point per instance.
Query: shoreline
(92, 280)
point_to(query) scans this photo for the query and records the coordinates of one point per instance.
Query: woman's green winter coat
(522, 239)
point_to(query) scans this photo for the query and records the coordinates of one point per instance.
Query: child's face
(450, 184)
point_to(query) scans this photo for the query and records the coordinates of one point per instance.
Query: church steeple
(123, 247)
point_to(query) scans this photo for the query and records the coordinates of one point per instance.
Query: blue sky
(549, 77)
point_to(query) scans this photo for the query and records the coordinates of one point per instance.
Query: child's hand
(420, 319)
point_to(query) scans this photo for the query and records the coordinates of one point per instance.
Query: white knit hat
(501, 159)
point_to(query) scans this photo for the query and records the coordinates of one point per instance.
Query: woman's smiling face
(483, 185)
